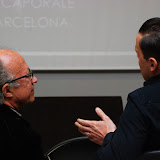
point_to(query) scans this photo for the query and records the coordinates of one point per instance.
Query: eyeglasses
(27, 75)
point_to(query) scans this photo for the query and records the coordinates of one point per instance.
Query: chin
(31, 100)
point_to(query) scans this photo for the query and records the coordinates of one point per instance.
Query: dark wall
(54, 117)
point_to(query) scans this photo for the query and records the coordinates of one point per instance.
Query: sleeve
(127, 142)
(107, 138)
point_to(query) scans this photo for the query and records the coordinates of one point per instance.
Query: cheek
(25, 89)
(139, 62)
(26, 86)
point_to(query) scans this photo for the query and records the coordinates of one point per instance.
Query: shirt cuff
(107, 138)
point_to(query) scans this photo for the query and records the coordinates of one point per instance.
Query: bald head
(16, 79)
(11, 60)
(12, 65)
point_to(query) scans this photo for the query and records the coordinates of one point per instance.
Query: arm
(128, 140)
(96, 130)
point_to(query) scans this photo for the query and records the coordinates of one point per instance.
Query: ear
(153, 64)
(6, 91)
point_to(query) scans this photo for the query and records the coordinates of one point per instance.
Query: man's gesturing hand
(96, 130)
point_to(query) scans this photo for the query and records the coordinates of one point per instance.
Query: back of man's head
(5, 75)
(150, 43)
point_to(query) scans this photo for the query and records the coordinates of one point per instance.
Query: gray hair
(4, 77)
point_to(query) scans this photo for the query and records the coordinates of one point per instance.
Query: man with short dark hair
(17, 139)
(139, 128)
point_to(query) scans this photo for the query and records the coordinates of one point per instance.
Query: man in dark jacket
(139, 128)
(17, 139)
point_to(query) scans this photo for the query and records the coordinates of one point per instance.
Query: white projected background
(75, 34)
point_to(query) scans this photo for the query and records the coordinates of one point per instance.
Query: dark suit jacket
(17, 138)
(139, 127)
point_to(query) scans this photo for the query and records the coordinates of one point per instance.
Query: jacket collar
(153, 80)
(6, 108)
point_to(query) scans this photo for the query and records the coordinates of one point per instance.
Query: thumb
(100, 113)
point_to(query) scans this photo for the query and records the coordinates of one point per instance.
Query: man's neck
(15, 107)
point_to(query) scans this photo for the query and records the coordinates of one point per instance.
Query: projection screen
(75, 34)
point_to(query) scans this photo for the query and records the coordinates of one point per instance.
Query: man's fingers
(100, 113)
(82, 128)
(84, 122)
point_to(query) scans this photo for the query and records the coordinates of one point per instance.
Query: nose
(34, 80)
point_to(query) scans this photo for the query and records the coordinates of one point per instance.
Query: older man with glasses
(17, 139)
